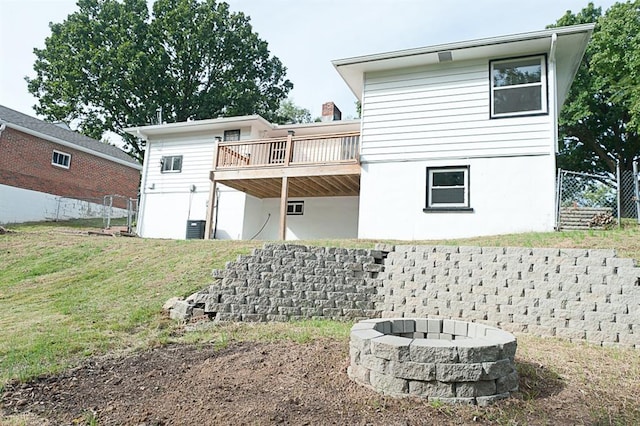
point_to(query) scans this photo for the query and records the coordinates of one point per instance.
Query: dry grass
(65, 296)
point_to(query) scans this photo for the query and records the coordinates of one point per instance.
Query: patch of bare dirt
(245, 383)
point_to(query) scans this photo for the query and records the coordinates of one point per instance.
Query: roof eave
(352, 69)
(74, 146)
(145, 132)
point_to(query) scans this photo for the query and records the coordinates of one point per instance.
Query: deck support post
(284, 199)
(210, 224)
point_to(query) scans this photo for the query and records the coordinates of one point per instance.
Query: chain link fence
(588, 201)
(585, 201)
(113, 210)
(119, 206)
(636, 172)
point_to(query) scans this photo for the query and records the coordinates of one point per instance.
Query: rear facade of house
(455, 140)
(459, 140)
(223, 178)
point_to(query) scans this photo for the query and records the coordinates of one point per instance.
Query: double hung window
(448, 188)
(518, 86)
(171, 164)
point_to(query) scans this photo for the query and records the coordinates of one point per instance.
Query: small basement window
(448, 188)
(171, 164)
(295, 208)
(518, 87)
(61, 159)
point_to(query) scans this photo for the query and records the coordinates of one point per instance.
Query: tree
(600, 120)
(109, 66)
(289, 113)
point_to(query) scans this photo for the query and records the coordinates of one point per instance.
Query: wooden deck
(318, 166)
(304, 166)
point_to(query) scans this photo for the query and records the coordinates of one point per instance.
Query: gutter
(470, 44)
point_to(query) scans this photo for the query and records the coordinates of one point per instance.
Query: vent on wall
(445, 56)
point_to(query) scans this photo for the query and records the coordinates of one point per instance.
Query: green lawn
(65, 295)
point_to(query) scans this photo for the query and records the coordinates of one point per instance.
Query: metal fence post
(58, 209)
(558, 199)
(619, 191)
(636, 186)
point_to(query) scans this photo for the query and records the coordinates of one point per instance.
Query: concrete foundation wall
(18, 205)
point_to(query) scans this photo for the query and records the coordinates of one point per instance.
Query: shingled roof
(55, 133)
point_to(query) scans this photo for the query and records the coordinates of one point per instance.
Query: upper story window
(171, 164)
(232, 135)
(448, 188)
(518, 86)
(61, 159)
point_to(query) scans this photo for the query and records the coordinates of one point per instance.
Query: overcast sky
(305, 34)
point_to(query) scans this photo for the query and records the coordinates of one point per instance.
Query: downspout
(2, 126)
(553, 88)
(143, 183)
(553, 106)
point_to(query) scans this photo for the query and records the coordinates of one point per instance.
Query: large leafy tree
(111, 65)
(290, 113)
(600, 121)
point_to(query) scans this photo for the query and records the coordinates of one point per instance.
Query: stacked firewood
(604, 220)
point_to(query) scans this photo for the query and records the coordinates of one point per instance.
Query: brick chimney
(330, 112)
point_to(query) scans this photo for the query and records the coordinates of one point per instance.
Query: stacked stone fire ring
(440, 359)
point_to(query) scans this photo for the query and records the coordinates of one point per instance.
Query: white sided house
(223, 178)
(455, 140)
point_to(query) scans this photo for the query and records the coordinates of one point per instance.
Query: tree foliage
(600, 120)
(110, 65)
(289, 113)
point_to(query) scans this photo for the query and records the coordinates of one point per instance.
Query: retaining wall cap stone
(367, 334)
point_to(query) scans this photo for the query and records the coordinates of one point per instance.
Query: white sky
(305, 34)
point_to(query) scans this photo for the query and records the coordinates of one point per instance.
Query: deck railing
(291, 150)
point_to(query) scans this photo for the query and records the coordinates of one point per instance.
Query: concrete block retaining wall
(577, 294)
(282, 282)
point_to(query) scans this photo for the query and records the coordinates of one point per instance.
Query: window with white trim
(519, 86)
(295, 208)
(232, 135)
(171, 164)
(61, 159)
(448, 187)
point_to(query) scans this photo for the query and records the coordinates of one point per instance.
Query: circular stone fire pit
(448, 360)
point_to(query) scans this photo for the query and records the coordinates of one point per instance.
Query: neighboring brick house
(50, 172)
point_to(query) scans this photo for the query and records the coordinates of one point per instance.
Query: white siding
(442, 111)
(170, 199)
(197, 160)
(507, 195)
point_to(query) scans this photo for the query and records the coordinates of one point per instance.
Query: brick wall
(25, 162)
